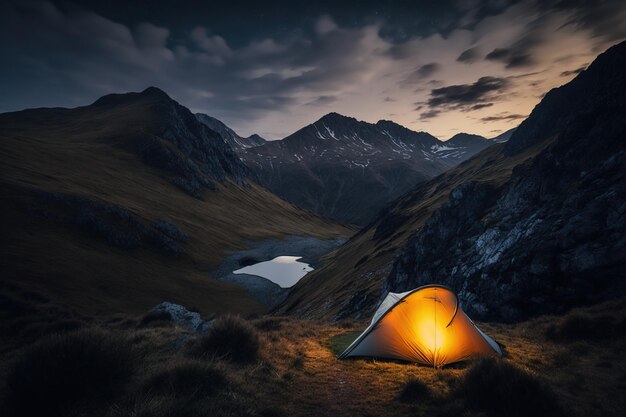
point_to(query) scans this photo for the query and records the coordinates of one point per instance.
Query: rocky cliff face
(237, 142)
(169, 137)
(554, 234)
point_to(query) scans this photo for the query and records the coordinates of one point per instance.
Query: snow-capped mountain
(348, 142)
(233, 139)
(460, 147)
(348, 169)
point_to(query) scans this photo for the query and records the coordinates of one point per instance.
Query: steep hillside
(348, 170)
(504, 136)
(130, 201)
(529, 226)
(237, 142)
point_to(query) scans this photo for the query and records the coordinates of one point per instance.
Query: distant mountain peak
(336, 117)
(150, 93)
(390, 124)
(154, 91)
(386, 122)
(255, 140)
(463, 135)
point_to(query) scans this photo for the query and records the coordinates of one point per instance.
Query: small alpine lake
(285, 271)
(269, 268)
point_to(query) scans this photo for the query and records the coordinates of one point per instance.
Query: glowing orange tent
(425, 325)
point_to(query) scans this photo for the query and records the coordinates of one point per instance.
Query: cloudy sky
(273, 67)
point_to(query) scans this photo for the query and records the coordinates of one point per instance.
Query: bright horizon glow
(472, 72)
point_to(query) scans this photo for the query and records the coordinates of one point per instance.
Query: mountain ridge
(348, 169)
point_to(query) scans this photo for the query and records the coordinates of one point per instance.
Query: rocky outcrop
(182, 317)
(114, 224)
(554, 234)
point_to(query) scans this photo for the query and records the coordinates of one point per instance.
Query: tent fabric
(425, 325)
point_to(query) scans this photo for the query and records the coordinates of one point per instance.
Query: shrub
(498, 388)
(186, 378)
(39, 329)
(64, 370)
(229, 337)
(577, 326)
(268, 324)
(414, 391)
(148, 406)
(298, 361)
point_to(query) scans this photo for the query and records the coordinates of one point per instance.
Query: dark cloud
(468, 97)
(502, 116)
(606, 19)
(322, 101)
(498, 54)
(478, 106)
(469, 56)
(429, 114)
(88, 55)
(422, 72)
(573, 72)
(538, 31)
(427, 70)
(389, 100)
(511, 58)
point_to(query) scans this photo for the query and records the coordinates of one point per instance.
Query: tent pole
(435, 327)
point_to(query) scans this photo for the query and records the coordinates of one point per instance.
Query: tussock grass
(186, 377)
(229, 337)
(414, 391)
(65, 370)
(498, 388)
(269, 324)
(579, 326)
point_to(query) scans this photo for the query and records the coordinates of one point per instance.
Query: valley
(107, 210)
(156, 263)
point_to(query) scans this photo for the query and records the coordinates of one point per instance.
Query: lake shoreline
(310, 249)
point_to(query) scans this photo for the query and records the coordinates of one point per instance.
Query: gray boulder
(182, 317)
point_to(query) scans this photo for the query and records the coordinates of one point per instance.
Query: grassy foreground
(56, 362)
